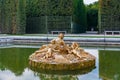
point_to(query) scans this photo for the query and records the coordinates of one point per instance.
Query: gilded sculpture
(57, 52)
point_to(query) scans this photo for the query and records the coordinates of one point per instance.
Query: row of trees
(109, 15)
(79, 17)
(12, 16)
(36, 8)
(85, 17)
(56, 14)
(14, 13)
(92, 16)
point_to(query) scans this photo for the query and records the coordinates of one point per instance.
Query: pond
(14, 65)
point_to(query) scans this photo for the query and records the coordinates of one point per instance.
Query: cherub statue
(75, 49)
(56, 45)
(58, 40)
(59, 43)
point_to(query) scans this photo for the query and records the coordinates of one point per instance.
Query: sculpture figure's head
(75, 45)
(61, 35)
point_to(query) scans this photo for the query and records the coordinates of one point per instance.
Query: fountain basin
(60, 56)
(63, 66)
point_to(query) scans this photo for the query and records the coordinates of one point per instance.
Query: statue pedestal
(60, 56)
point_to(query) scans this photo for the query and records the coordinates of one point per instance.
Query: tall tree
(12, 16)
(5, 16)
(14, 10)
(1, 15)
(109, 15)
(92, 16)
(79, 17)
(21, 17)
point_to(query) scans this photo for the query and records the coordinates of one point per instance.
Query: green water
(109, 63)
(14, 66)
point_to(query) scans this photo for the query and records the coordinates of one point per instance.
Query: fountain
(60, 56)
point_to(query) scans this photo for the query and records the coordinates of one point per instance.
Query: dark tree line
(36, 8)
(14, 14)
(57, 12)
(92, 16)
(79, 17)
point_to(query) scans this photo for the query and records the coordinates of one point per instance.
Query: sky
(89, 1)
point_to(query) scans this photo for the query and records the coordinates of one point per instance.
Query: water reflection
(15, 59)
(86, 74)
(109, 64)
(26, 75)
(14, 66)
(62, 75)
(57, 77)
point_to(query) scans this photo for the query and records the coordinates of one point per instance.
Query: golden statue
(58, 52)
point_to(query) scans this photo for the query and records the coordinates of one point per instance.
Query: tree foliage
(60, 7)
(36, 8)
(92, 16)
(21, 17)
(57, 12)
(5, 16)
(79, 16)
(12, 13)
(109, 15)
